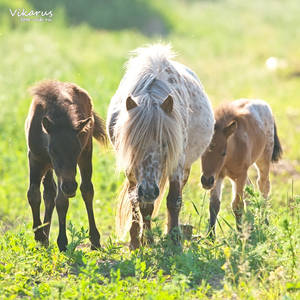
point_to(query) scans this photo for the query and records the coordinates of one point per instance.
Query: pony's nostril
(156, 191)
(140, 191)
(69, 188)
(207, 182)
(211, 180)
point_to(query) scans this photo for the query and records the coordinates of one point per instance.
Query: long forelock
(139, 128)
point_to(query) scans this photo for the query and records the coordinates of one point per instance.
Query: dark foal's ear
(229, 129)
(167, 105)
(48, 125)
(81, 124)
(130, 103)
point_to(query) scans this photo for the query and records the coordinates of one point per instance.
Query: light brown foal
(245, 134)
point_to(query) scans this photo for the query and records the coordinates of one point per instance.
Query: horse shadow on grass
(110, 15)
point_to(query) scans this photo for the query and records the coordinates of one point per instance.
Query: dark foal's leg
(49, 199)
(214, 207)
(146, 211)
(62, 205)
(87, 192)
(174, 201)
(238, 201)
(36, 170)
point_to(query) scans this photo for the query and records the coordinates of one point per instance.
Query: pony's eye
(223, 153)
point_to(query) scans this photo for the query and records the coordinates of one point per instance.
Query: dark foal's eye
(223, 153)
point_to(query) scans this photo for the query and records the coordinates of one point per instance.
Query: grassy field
(227, 44)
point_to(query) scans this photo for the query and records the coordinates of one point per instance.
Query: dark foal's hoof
(95, 246)
(41, 237)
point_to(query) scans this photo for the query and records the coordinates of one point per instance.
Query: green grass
(227, 44)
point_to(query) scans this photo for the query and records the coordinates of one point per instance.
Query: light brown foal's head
(214, 157)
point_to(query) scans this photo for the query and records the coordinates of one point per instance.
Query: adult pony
(245, 133)
(59, 130)
(159, 122)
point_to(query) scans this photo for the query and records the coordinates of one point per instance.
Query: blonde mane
(136, 129)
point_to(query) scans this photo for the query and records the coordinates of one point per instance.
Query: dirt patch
(286, 167)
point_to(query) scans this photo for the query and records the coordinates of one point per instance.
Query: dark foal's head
(214, 157)
(64, 150)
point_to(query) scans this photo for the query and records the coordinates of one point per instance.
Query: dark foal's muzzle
(149, 194)
(207, 182)
(69, 188)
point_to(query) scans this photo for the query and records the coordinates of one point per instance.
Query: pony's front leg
(174, 201)
(146, 211)
(238, 201)
(62, 205)
(135, 229)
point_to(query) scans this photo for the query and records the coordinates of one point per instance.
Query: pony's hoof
(134, 245)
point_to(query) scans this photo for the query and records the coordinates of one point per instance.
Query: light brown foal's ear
(48, 125)
(167, 105)
(229, 129)
(130, 103)
(81, 124)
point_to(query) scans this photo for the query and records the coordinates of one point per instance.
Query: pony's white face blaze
(148, 173)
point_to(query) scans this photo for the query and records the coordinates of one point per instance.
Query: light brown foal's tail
(277, 150)
(99, 132)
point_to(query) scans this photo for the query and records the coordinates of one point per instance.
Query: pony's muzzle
(207, 183)
(69, 188)
(149, 194)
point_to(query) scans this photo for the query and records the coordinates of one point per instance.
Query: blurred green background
(227, 43)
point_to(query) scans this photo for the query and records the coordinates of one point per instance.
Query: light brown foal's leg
(174, 201)
(263, 181)
(214, 206)
(238, 201)
(263, 165)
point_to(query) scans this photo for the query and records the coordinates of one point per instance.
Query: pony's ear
(81, 124)
(48, 125)
(130, 103)
(167, 105)
(229, 129)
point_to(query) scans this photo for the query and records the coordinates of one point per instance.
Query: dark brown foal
(59, 130)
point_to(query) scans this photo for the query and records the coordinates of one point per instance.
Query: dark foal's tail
(277, 150)
(99, 132)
